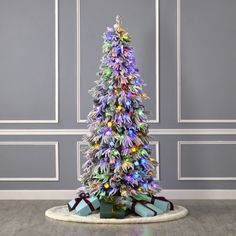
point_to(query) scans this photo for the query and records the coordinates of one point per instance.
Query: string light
(140, 112)
(119, 108)
(136, 175)
(145, 185)
(106, 185)
(111, 143)
(136, 163)
(133, 149)
(114, 152)
(109, 124)
(109, 132)
(143, 161)
(132, 133)
(128, 103)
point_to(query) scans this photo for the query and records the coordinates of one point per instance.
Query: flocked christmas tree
(119, 160)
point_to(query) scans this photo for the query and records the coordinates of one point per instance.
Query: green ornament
(143, 152)
(107, 113)
(140, 112)
(106, 46)
(114, 152)
(141, 125)
(125, 37)
(107, 73)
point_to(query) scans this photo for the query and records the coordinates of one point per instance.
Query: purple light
(128, 178)
(128, 103)
(109, 132)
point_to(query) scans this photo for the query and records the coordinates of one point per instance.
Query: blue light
(136, 175)
(117, 163)
(136, 163)
(145, 185)
(143, 161)
(128, 103)
(112, 144)
(132, 133)
(110, 87)
(137, 81)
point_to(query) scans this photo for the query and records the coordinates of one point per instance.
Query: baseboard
(68, 194)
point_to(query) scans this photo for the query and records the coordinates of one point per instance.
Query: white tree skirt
(62, 213)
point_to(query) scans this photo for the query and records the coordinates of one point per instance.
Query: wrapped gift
(143, 208)
(110, 210)
(160, 202)
(84, 204)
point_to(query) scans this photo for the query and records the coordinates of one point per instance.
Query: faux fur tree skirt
(62, 213)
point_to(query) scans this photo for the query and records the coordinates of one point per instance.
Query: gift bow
(82, 196)
(134, 202)
(162, 199)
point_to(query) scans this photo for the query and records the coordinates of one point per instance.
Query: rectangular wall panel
(29, 61)
(206, 160)
(29, 161)
(206, 35)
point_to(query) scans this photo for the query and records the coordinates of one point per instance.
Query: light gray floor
(26, 218)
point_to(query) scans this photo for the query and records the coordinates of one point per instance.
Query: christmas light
(133, 149)
(154, 185)
(107, 72)
(106, 185)
(108, 132)
(111, 144)
(140, 112)
(128, 103)
(114, 152)
(136, 175)
(119, 108)
(131, 133)
(143, 161)
(145, 185)
(109, 124)
(137, 81)
(136, 163)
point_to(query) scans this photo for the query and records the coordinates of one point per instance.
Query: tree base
(62, 213)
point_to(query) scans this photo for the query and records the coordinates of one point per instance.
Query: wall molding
(157, 113)
(179, 106)
(27, 132)
(179, 161)
(10, 121)
(34, 143)
(157, 155)
(209, 194)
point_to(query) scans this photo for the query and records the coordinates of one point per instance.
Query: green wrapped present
(160, 202)
(143, 208)
(110, 210)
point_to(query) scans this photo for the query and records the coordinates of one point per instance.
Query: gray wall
(38, 74)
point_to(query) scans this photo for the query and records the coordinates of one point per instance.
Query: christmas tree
(119, 161)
